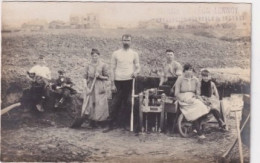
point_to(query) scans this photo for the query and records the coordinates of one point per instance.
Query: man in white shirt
(40, 75)
(125, 66)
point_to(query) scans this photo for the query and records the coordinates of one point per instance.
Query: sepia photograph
(125, 82)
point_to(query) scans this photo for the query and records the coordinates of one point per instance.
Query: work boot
(57, 104)
(222, 124)
(79, 121)
(39, 108)
(109, 128)
(92, 124)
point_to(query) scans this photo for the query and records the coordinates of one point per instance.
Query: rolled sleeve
(86, 73)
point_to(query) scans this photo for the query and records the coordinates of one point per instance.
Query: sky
(110, 14)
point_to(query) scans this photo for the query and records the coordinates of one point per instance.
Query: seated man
(38, 91)
(63, 87)
(171, 70)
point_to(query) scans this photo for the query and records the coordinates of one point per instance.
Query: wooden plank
(5, 110)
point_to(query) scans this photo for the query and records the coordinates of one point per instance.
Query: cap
(95, 51)
(61, 71)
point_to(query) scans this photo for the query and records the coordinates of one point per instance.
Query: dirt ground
(40, 138)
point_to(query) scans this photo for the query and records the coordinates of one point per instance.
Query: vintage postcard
(125, 82)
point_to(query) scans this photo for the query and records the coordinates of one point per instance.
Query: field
(227, 52)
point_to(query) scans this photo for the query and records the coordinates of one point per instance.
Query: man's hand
(113, 87)
(134, 75)
(172, 91)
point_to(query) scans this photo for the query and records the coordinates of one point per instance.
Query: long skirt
(192, 108)
(97, 106)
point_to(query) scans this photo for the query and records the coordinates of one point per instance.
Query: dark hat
(61, 71)
(95, 51)
(188, 66)
(30, 73)
(205, 72)
(169, 50)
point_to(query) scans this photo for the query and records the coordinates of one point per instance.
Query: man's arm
(163, 77)
(137, 65)
(177, 87)
(113, 69)
(215, 90)
(178, 69)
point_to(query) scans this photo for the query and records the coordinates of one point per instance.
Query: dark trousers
(197, 122)
(34, 95)
(121, 97)
(63, 93)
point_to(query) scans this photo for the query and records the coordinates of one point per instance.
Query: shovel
(132, 106)
(86, 97)
(79, 121)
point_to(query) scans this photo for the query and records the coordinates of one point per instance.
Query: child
(63, 87)
(210, 96)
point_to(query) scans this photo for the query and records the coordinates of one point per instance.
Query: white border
(255, 62)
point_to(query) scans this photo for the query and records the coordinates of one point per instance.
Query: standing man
(125, 66)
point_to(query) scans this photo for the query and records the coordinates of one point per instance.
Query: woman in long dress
(97, 106)
(187, 91)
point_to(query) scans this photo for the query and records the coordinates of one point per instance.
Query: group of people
(196, 98)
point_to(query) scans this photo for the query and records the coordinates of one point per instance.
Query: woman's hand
(87, 91)
(97, 75)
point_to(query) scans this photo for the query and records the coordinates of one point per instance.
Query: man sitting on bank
(36, 95)
(63, 87)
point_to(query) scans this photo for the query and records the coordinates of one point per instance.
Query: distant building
(75, 22)
(34, 25)
(85, 22)
(57, 24)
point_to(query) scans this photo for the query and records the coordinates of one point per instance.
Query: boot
(92, 124)
(110, 127)
(79, 121)
(57, 104)
(222, 124)
(39, 106)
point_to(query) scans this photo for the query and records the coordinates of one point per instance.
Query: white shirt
(41, 71)
(124, 62)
